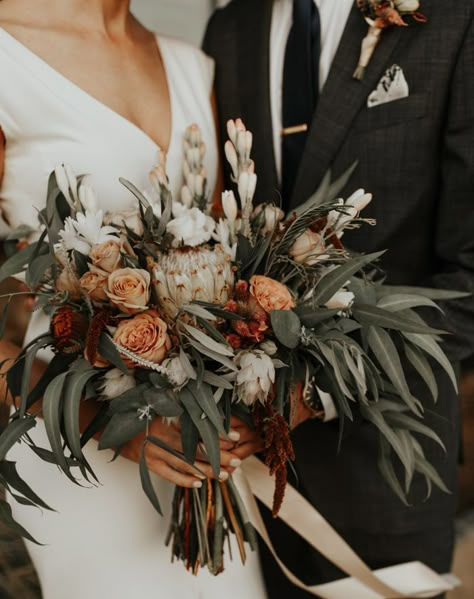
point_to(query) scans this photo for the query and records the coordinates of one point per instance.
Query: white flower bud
(115, 383)
(232, 131)
(177, 373)
(229, 205)
(232, 159)
(269, 347)
(341, 300)
(186, 197)
(88, 198)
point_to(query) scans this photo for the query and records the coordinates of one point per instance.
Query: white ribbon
(411, 580)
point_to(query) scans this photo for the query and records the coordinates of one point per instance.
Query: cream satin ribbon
(412, 580)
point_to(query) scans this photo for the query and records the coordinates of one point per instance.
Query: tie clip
(296, 129)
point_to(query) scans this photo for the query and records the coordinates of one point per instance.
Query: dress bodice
(48, 120)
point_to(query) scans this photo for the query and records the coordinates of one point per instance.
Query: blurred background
(186, 19)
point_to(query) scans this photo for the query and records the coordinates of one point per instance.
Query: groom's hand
(244, 441)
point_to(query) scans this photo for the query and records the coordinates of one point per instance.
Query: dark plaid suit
(417, 156)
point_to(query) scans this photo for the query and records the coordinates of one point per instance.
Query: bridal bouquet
(182, 310)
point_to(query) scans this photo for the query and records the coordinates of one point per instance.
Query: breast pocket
(392, 113)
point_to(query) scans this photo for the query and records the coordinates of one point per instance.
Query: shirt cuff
(330, 410)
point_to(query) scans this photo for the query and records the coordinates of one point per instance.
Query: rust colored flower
(270, 294)
(99, 322)
(278, 448)
(68, 328)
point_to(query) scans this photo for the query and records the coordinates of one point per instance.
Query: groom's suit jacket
(416, 155)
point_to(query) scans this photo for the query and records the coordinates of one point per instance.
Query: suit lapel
(253, 86)
(341, 99)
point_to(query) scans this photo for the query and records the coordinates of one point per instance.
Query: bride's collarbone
(127, 78)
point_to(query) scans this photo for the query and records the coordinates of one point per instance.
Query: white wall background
(185, 19)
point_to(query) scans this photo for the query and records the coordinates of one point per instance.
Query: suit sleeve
(454, 235)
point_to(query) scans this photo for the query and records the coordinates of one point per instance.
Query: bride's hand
(171, 468)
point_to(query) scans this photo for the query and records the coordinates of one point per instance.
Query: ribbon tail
(412, 580)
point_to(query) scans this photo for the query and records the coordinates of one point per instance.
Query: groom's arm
(454, 235)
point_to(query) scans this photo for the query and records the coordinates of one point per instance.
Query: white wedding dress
(104, 542)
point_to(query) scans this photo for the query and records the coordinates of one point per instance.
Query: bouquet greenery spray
(181, 310)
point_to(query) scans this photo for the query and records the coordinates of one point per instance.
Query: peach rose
(146, 336)
(106, 256)
(67, 281)
(270, 295)
(129, 289)
(308, 248)
(94, 283)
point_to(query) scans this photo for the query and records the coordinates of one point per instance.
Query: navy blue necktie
(300, 89)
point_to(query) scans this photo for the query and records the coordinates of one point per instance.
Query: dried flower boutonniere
(379, 15)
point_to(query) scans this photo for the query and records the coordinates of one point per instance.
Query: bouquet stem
(202, 520)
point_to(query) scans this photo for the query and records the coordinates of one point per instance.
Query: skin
(118, 57)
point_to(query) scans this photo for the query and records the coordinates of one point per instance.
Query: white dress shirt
(334, 15)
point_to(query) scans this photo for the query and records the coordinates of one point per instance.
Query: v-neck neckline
(32, 57)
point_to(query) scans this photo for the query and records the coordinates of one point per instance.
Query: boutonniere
(379, 15)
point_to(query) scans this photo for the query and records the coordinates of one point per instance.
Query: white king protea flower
(188, 274)
(255, 377)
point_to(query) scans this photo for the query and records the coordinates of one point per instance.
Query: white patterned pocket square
(393, 86)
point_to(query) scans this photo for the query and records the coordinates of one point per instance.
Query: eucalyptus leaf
(205, 399)
(37, 268)
(375, 316)
(147, 484)
(189, 437)
(17, 263)
(197, 310)
(428, 470)
(6, 517)
(73, 391)
(422, 366)
(13, 432)
(186, 364)
(286, 326)
(135, 191)
(209, 343)
(216, 381)
(389, 435)
(407, 422)
(433, 294)
(429, 346)
(335, 279)
(318, 198)
(109, 352)
(52, 414)
(4, 317)
(10, 474)
(402, 301)
(311, 317)
(206, 430)
(30, 358)
(163, 403)
(121, 428)
(387, 356)
(201, 349)
(386, 469)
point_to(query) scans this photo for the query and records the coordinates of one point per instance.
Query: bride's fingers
(174, 476)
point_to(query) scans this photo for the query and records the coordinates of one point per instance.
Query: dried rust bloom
(100, 320)
(68, 328)
(278, 448)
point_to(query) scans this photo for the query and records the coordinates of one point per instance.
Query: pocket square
(393, 86)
